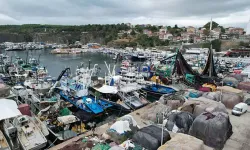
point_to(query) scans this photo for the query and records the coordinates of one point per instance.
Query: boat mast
(211, 48)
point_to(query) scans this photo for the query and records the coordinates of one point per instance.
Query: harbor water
(55, 63)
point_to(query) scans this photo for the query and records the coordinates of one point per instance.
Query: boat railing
(142, 93)
(128, 99)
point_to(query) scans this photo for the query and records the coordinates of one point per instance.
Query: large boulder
(212, 128)
(196, 106)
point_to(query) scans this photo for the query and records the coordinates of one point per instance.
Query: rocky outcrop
(60, 38)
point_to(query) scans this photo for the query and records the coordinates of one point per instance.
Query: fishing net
(196, 106)
(244, 86)
(230, 99)
(230, 81)
(213, 128)
(150, 137)
(155, 111)
(183, 142)
(173, 101)
(183, 120)
(212, 95)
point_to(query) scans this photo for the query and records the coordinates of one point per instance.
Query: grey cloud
(116, 11)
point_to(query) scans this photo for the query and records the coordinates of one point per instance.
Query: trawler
(29, 134)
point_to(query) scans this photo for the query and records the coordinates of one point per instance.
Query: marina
(60, 98)
(57, 96)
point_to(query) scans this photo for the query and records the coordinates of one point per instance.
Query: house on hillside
(167, 36)
(191, 29)
(218, 29)
(238, 31)
(147, 32)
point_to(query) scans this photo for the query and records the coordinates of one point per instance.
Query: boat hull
(157, 91)
(136, 58)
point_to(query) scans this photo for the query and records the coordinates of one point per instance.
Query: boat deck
(31, 137)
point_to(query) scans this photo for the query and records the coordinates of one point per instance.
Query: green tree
(216, 44)
(28, 37)
(175, 26)
(222, 29)
(214, 25)
(133, 32)
(125, 35)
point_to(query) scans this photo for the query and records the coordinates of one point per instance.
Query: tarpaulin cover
(8, 109)
(230, 81)
(212, 95)
(150, 137)
(244, 86)
(121, 126)
(196, 106)
(183, 120)
(230, 99)
(67, 119)
(213, 128)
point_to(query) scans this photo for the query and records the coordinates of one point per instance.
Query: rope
(53, 142)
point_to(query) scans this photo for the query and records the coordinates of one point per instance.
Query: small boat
(60, 123)
(157, 91)
(109, 94)
(29, 134)
(86, 103)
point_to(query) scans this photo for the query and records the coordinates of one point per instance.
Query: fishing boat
(138, 56)
(86, 103)
(29, 134)
(60, 122)
(39, 86)
(156, 90)
(109, 94)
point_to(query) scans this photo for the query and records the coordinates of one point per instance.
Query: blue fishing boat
(157, 91)
(86, 103)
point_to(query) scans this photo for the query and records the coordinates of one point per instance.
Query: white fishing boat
(29, 134)
(8, 110)
(39, 86)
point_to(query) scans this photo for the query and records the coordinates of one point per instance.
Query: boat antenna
(211, 48)
(107, 68)
(39, 58)
(89, 63)
(27, 56)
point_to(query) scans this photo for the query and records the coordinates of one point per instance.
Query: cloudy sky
(164, 12)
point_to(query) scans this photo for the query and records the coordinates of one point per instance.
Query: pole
(162, 128)
(89, 63)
